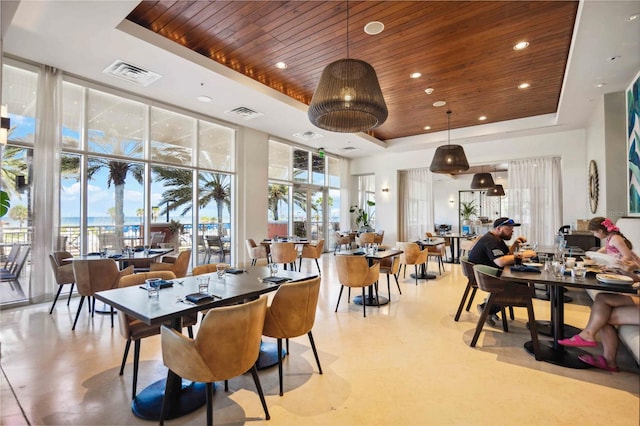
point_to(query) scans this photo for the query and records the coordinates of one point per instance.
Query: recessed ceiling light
(521, 45)
(599, 85)
(633, 17)
(524, 86)
(428, 90)
(427, 127)
(415, 75)
(204, 98)
(374, 27)
(438, 104)
(482, 117)
(281, 65)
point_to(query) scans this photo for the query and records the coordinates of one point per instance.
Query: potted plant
(362, 217)
(468, 209)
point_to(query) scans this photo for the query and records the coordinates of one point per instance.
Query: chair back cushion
(293, 309)
(227, 344)
(354, 271)
(487, 279)
(63, 272)
(367, 237)
(97, 275)
(283, 252)
(205, 269)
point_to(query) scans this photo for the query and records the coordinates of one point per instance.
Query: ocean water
(130, 222)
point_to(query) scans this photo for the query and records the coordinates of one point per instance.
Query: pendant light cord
(347, 29)
(449, 127)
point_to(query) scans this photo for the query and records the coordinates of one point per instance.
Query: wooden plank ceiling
(464, 51)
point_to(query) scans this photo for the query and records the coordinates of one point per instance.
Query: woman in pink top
(616, 244)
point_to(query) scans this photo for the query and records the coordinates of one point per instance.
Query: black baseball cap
(504, 221)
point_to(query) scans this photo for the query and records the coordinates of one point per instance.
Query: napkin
(358, 253)
(115, 256)
(235, 271)
(198, 297)
(275, 280)
(156, 251)
(523, 268)
(163, 284)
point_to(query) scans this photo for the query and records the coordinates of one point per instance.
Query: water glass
(103, 252)
(558, 268)
(203, 284)
(273, 269)
(221, 269)
(153, 287)
(517, 257)
(579, 272)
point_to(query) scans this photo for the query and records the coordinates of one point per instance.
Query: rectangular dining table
(169, 308)
(371, 257)
(553, 352)
(149, 255)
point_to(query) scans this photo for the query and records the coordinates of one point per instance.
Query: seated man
(491, 250)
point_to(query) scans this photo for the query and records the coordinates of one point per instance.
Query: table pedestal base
(268, 356)
(545, 328)
(564, 356)
(370, 300)
(148, 404)
(423, 276)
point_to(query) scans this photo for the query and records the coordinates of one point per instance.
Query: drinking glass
(557, 268)
(153, 287)
(221, 269)
(203, 284)
(103, 252)
(517, 257)
(579, 272)
(273, 269)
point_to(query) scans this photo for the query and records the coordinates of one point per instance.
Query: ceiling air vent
(244, 113)
(131, 73)
(308, 135)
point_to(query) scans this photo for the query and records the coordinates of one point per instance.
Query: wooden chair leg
(505, 326)
(533, 328)
(481, 320)
(464, 299)
(511, 313)
(473, 294)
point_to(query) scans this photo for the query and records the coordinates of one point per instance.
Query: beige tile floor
(407, 363)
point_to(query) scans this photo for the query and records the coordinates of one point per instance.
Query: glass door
(309, 213)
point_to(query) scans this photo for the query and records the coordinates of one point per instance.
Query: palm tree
(277, 193)
(19, 213)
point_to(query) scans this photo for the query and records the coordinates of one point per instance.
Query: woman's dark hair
(597, 224)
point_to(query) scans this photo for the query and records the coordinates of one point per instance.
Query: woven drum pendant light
(482, 181)
(348, 98)
(496, 191)
(449, 158)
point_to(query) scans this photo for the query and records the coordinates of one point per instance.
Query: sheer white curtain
(416, 208)
(367, 192)
(535, 198)
(46, 160)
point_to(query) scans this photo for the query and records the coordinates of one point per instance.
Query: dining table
(454, 247)
(184, 396)
(423, 273)
(371, 256)
(553, 352)
(123, 258)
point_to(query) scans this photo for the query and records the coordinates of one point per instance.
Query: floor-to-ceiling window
(124, 168)
(304, 192)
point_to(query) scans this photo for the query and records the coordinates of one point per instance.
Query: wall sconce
(5, 124)
(451, 201)
(385, 189)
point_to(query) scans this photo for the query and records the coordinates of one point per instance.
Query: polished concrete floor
(406, 363)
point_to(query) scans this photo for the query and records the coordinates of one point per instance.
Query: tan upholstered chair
(133, 329)
(354, 271)
(227, 345)
(179, 267)
(439, 254)
(367, 238)
(291, 314)
(472, 286)
(209, 268)
(504, 293)
(284, 253)
(256, 252)
(312, 251)
(96, 275)
(63, 273)
(378, 237)
(391, 266)
(412, 255)
(341, 240)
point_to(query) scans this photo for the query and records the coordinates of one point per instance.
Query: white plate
(601, 258)
(533, 264)
(614, 279)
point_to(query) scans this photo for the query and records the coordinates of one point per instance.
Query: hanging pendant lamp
(348, 98)
(482, 181)
(496, 191)
(449, 158)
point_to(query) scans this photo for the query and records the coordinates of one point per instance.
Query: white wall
(570, 146)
